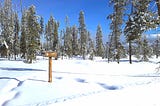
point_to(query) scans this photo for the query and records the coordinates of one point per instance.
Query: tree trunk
(157, 50)
(130, 52)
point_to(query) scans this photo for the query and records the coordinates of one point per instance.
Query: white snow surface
(79, 82)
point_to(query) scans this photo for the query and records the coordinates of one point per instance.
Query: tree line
(29, 36)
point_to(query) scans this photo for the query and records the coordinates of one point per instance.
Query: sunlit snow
(79, 82)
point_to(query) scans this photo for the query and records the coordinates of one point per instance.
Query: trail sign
(50, 55)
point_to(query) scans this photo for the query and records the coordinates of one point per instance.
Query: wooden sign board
(50, 54)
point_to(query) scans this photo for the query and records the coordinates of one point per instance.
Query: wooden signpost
(50, 55)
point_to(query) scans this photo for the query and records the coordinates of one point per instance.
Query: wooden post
(50, 70)
(50, 55)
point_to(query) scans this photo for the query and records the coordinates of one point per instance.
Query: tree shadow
(19, 82)
(37, 80)
(20, 69)
(59, 78)
(126, 60)
(81, 80)
(144, 76)
(9, 78)
(15, 96)
(108, 87)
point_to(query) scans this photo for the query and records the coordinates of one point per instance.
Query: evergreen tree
(1, 15)
(146, 50)
(68, 42)
(75, 50)
(23, 37)
(41, 31)
(7, 26)
(83, 35)
(139, 21)
(41, 25)
(51, 34)
(55, 35)
(156, 47)
(99, 42)
(33, 34)
(67, 39)
(91, 50)
(117, 21)
(16, 34)
(47, 36)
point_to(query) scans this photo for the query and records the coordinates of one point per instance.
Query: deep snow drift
(79, 82)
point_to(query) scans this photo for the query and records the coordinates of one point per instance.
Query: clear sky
(95, 12)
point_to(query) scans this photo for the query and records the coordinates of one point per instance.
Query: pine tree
(1, 15)
(16, 34)
(51, 34)
(55, 35)
(23, 37)
(41, 25)
(67, 39)
(158, 22)
(83, 35)
(68, 42)
(7, 26)
(41, 31)
(33, 34)
(91, 50)
(99, 42)
(46, 36)
(74, 32)
(139, 21)
(156, 47)
(146, 50)
(117, 21)
(60, 53)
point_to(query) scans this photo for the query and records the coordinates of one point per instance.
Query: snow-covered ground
(79, 82)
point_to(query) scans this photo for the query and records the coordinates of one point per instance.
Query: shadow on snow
(20, 69)
(108, 87)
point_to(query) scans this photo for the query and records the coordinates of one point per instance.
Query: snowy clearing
(79, 82)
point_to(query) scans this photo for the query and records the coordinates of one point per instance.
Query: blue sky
(95, 12)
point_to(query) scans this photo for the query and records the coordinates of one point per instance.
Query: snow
(154, 35)
(79, 82)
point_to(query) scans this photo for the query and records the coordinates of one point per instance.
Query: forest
(25, 34)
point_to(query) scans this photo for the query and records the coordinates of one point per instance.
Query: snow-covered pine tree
(7, 26)
(75, 50)
(157, 47)
(41, 31)
(55, 36)
(68, 39)
(83, 35)
(41, 25)
(33, 34)
(16, 34)
(99, 42)
(68, 42)
(61, 44)
(139, 21)
(157, 42)
(49, 33)
(23, 36)
(91, 49)
(116, 27)
(1, 15)
(147, 51)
